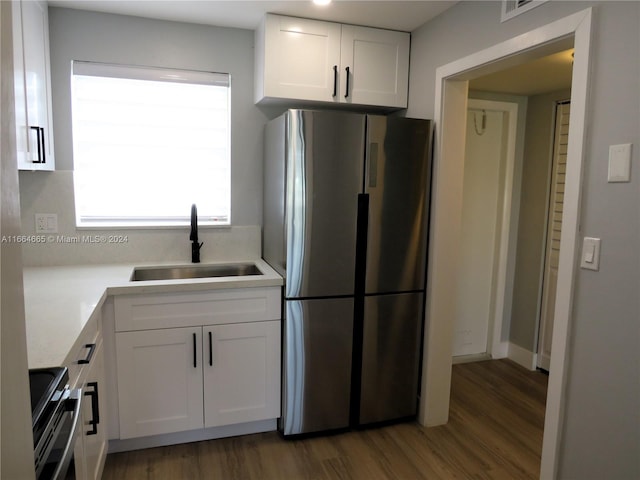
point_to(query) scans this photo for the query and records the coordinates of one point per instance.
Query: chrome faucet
(195, 246)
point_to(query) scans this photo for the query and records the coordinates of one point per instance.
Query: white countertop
(60, 300)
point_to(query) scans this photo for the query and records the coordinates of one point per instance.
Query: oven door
(59, 456)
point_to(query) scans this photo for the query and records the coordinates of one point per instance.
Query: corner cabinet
(314, 61)
(221, 368)
(32, 86)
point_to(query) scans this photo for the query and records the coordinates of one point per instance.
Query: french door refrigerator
(346, 201)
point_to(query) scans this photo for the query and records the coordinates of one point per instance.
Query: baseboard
(477, 357)
(500, 350)
(192, 436)
(522, 356)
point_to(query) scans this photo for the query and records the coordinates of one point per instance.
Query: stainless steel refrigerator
(346, 202)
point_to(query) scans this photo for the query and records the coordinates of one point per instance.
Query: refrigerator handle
(373, 165)
(362, 229)
(335, 81)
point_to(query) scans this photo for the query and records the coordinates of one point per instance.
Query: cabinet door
(378, 63)
(241, 372)
(159, 381)
(300, 56)
(33, 86)
(94, 423)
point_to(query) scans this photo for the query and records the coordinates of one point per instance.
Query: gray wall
(533, 210)
(601, 431)
(79, 35)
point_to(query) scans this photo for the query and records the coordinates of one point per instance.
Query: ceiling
(551, 73)
(547, 74)
(395, 15)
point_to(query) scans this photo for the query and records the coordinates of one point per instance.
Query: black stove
(45, 384)
(55, 410)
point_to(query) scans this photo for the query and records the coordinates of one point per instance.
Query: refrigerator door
(390, 357)
(397, 179)
(325, 156)
(316, 383)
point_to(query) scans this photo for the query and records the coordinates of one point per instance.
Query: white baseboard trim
(522, 356)
(192, 436)
(476, 357)
(500, 350)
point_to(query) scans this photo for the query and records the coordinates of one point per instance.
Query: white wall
(78, 35)
(601, 434)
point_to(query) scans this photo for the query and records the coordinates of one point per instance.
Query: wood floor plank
(494, 432)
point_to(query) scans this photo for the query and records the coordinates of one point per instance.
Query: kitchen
(81, 35)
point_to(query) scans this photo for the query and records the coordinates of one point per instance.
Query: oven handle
(73, 403)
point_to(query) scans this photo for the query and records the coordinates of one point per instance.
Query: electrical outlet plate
(46, 223)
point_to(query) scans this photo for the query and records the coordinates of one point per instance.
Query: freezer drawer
(391, 356)
(317, 347)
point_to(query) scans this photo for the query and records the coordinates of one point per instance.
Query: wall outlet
(46, 223)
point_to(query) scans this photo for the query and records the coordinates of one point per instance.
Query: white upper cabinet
(32, 84)
(301, 59)
(314, 61)
(378, 66)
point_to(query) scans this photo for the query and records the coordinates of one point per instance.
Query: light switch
(590, 253)
(620, 163)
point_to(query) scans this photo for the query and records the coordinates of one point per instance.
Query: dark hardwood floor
(494, 432)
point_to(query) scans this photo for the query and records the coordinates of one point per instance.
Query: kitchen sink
(142, 274)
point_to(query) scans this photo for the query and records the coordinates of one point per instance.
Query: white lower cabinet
(159, 382)
(241, 373)
(94, 431)
(87, 371)
(193, 377)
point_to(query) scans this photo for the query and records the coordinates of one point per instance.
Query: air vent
(512, 8)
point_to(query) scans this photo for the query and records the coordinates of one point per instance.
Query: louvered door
(554, 231)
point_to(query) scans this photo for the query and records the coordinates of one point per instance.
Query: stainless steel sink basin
(142, 274)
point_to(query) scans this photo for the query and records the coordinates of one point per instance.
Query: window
(148, 143)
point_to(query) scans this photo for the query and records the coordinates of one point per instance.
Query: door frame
(452, 83)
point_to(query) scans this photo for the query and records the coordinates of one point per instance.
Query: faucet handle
(195, 252)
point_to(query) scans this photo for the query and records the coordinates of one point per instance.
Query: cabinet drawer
(148, 312)
(84, 349)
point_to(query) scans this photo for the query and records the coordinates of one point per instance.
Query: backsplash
(52, 192)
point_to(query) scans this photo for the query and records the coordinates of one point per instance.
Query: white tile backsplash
(52, 192)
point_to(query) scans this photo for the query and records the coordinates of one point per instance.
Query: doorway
(490, 155)
(450, 115)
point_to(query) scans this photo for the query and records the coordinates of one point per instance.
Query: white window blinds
(148, 143)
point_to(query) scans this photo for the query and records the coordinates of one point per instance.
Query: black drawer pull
(346, 93)
(210, 349)
(195, 352)
(95, 408)
(92, 349)
(41, 146)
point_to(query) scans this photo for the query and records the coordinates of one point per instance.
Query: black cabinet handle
(195, 353)
(335, 80)
(41, 150)
(92, 349)
(346, 94)
(210, 349)
(95, 408)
